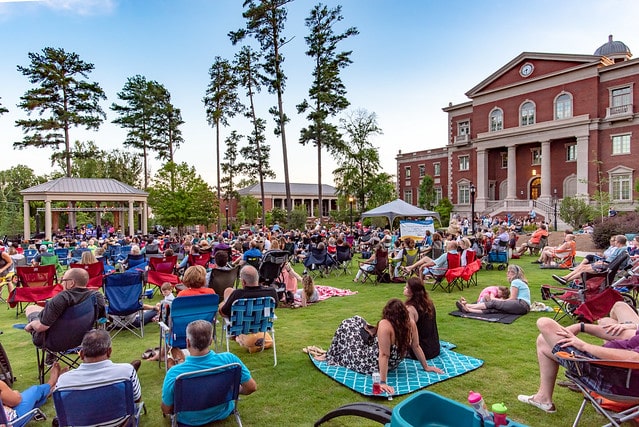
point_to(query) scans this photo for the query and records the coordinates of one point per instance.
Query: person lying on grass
(517, 303)
(366, 349)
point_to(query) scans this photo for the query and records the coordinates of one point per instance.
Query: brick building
(542, 127)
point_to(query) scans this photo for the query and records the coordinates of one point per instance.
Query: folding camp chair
(162, 269)
(121, 253)
(30, 254)
(137, 262)
(250, 316)
(96, 273)
(62, 340)
(380, 268)
(344, 259)
(317, 263)
(207, 388)
(35, 285)
(63, 256)
(199, 259)
(184, 310)
(223, 278)
(271, 266)
(99, 403)
(453, 260)
(610, 386)
(22, 420)
(469, 275)
(52, 259)
(124, 293)
(6, 373)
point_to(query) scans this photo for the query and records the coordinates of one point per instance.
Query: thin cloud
(79, 7)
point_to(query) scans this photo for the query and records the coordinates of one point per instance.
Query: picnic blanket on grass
(488, 317)
(409, 375)
(325, 292)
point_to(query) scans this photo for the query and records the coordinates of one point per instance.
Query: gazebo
(106, 193)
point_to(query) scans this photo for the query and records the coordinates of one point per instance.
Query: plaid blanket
(325, 292)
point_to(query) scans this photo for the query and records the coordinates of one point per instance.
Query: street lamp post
(351, 199)
(227, 217)
(554, 200)
(472, 208)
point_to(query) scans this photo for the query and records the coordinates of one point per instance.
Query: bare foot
(55, 373)
(320, 358)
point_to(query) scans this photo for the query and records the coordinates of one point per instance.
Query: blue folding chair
(184, 310)
(62, 340)
(63, 256)
(137, 262)
(206, 389)
(98, 404)
(22, 420)
(250, 316)
(30, 254)
(122, 253)
(124, 293)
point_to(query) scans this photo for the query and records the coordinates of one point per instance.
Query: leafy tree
(298, 218)
(380, 190)
(576, 211)
(167, 124)
(265, 22)
(221, 102)
(230, 167)
(358, 163)
(278, 215)
(3, 109)
(179, 197)
(143, 104)
(63, 99)
(444, 208)
(426, 193)
(12, 181)
(249, 72)
(327, 93)
(249, 209)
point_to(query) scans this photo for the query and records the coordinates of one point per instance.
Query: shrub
(627, 223)
(575, 211)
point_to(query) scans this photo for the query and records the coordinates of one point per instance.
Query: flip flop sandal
(148, 353)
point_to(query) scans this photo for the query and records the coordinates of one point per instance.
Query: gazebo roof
(82, 186)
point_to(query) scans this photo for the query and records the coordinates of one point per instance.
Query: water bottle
(478, 404)
(499, 414)
(377, 386)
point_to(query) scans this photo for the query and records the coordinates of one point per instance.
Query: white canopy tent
(399, 208)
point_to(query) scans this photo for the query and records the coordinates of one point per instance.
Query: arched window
(563, 106)
(496, 120)
(527, 116)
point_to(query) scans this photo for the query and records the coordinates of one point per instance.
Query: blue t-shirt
(194, 363)
(252, 253)
(523, 291)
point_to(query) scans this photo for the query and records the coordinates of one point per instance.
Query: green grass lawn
(296, 393)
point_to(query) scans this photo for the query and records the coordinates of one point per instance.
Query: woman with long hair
(366, 349)
(517, 303)
(421, 310)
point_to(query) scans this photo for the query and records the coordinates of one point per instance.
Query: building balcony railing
(620, 111)
(462, 139)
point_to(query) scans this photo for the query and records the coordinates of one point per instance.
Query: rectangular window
(407, 172)
(463, 128)
(464, 163)
(571, 153)
(463, 194)
(422, 170)
(437, 169)
(504, 160)
(536, 156)
(621, 187)
(408, 196)
(438, 195)
(620, 97)
(621, 144)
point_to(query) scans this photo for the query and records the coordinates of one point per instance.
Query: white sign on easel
(416, 228)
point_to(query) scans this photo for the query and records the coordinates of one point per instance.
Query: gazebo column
(131, 222)
(47, 219)
(27, 219)
(144, 225)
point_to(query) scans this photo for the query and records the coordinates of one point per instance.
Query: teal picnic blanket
(409, 375)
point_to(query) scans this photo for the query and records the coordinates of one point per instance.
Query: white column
(47, 219)
(582, 166)
(27, 220)
(131, 220)
(144, 225)
(482, 180)
(512, 173)
(546, 173)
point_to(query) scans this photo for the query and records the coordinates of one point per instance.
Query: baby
(492, 292)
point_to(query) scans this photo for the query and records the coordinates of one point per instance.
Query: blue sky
(410, 60)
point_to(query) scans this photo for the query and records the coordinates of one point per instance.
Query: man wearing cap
(42, 252)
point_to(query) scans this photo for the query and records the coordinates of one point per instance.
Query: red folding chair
(35, 285)
(199, 259)
(469, 276)
(96, 273)
(162, 269)
(453, 260)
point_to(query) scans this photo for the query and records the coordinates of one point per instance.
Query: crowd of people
(407, 328)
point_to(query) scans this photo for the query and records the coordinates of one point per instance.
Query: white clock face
(526, 69)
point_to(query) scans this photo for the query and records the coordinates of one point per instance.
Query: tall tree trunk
(217, 156)
(319, 178)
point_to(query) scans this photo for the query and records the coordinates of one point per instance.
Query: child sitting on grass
(493, 292)
(308, 293)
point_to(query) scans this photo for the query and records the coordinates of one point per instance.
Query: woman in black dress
(422, 311)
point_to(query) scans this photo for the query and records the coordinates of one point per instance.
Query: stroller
(498, 255)
(270, 269)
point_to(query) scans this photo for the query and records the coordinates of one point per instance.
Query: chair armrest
(163, 326)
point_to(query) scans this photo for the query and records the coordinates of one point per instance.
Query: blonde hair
(88, 258)
(309, 286)
(194, 277)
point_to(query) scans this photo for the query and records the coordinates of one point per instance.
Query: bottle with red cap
(478, 404)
